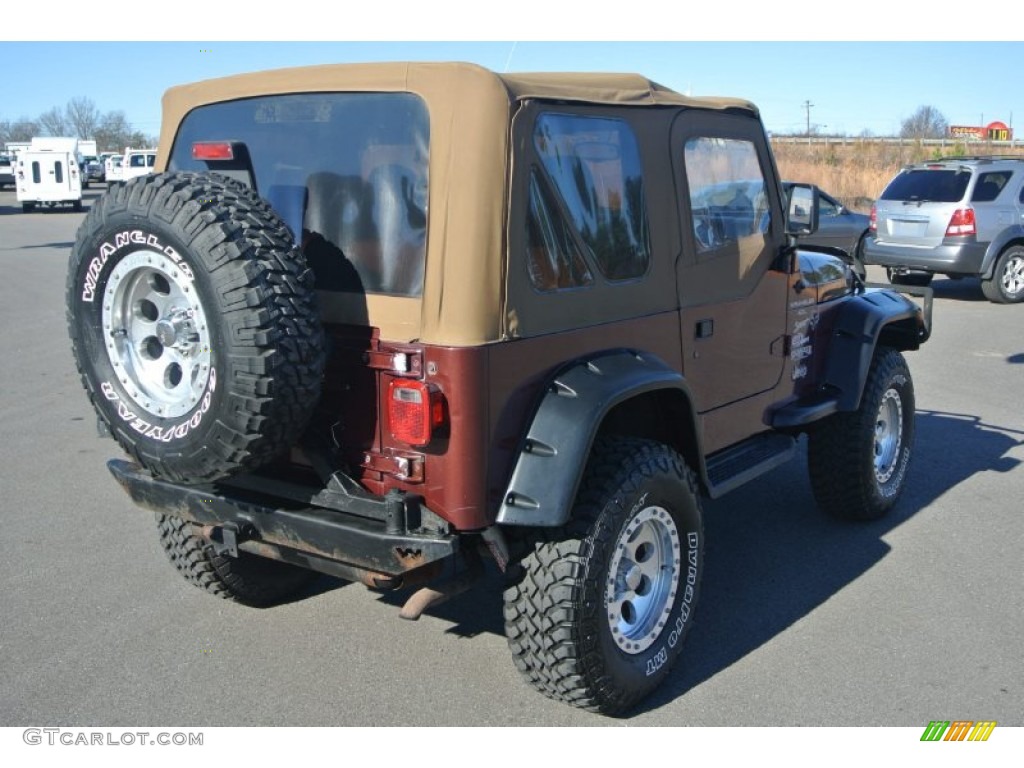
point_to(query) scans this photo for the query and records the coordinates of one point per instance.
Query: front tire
(858, 460)
(1007, 283)
(596, 612)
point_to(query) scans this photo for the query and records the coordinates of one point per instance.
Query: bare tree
(83, 117)
(5, 131)
(113, 132)
(926, 123)
(24, 129)
(54, 122)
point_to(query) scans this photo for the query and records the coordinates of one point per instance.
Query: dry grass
(856, 173)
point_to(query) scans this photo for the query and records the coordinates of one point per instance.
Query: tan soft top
(470, 110)
(593, 87)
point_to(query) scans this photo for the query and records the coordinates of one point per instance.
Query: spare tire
(193, 324)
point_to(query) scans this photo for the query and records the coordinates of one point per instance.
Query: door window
(727, 193)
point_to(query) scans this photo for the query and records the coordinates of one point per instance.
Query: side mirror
(802, 216)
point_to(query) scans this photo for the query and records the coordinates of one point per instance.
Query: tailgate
(913, 224)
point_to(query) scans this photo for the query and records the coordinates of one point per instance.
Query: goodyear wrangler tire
(247, 579)
(596, 612)
(858, 461)
(193, 325)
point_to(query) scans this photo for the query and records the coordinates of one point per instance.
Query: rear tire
(193, 325)
(596, 612)
(246, 579)
(858, 460)
(1007, 283)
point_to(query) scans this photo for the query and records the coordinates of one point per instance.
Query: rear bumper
(953, 258)
(379, 535)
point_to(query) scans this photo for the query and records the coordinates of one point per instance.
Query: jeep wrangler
(394, 322)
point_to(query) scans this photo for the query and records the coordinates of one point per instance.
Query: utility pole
(807, 106)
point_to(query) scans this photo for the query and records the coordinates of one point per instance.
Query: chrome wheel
(888, 435)
(156, 333)
(1012, 278)
(643, 579)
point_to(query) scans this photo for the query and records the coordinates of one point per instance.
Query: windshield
(346, 171)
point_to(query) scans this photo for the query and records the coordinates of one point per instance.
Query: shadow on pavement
(68, 244)
(772, 558)
(964, 289)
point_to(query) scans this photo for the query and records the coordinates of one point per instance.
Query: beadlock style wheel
(596, 613)
(888, 435)
(157, 336)
(858, 460)
(194, 325)
(643, 579)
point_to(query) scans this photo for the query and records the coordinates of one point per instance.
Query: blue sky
(853, 85)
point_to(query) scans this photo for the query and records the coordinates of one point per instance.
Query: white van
(137, 162)
(49, 173)
(112, 168)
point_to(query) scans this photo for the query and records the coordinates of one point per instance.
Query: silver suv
(958, 216)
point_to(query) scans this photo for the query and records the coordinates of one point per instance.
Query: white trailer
(49, 173)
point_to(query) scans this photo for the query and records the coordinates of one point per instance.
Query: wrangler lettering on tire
(193, 325)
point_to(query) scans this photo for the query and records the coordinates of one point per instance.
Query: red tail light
(213, 150)
(962, 223)
(873, 222)
(414, 411)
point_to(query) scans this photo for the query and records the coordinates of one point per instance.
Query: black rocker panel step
(732, 467)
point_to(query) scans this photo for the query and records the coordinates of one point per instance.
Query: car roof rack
(976, 158)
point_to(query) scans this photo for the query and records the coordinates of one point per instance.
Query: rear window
(346, 171)
(936, 186)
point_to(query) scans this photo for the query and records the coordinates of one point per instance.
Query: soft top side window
(594, 166)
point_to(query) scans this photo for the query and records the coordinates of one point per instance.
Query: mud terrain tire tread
(247, 579)
(553, 618)
(261, 297)
(840, 449)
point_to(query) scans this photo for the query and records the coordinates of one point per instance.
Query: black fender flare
(554, 452)
(865, 321)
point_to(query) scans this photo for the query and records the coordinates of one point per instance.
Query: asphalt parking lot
(802, 620)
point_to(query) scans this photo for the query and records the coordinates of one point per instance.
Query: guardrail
(851, 140)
